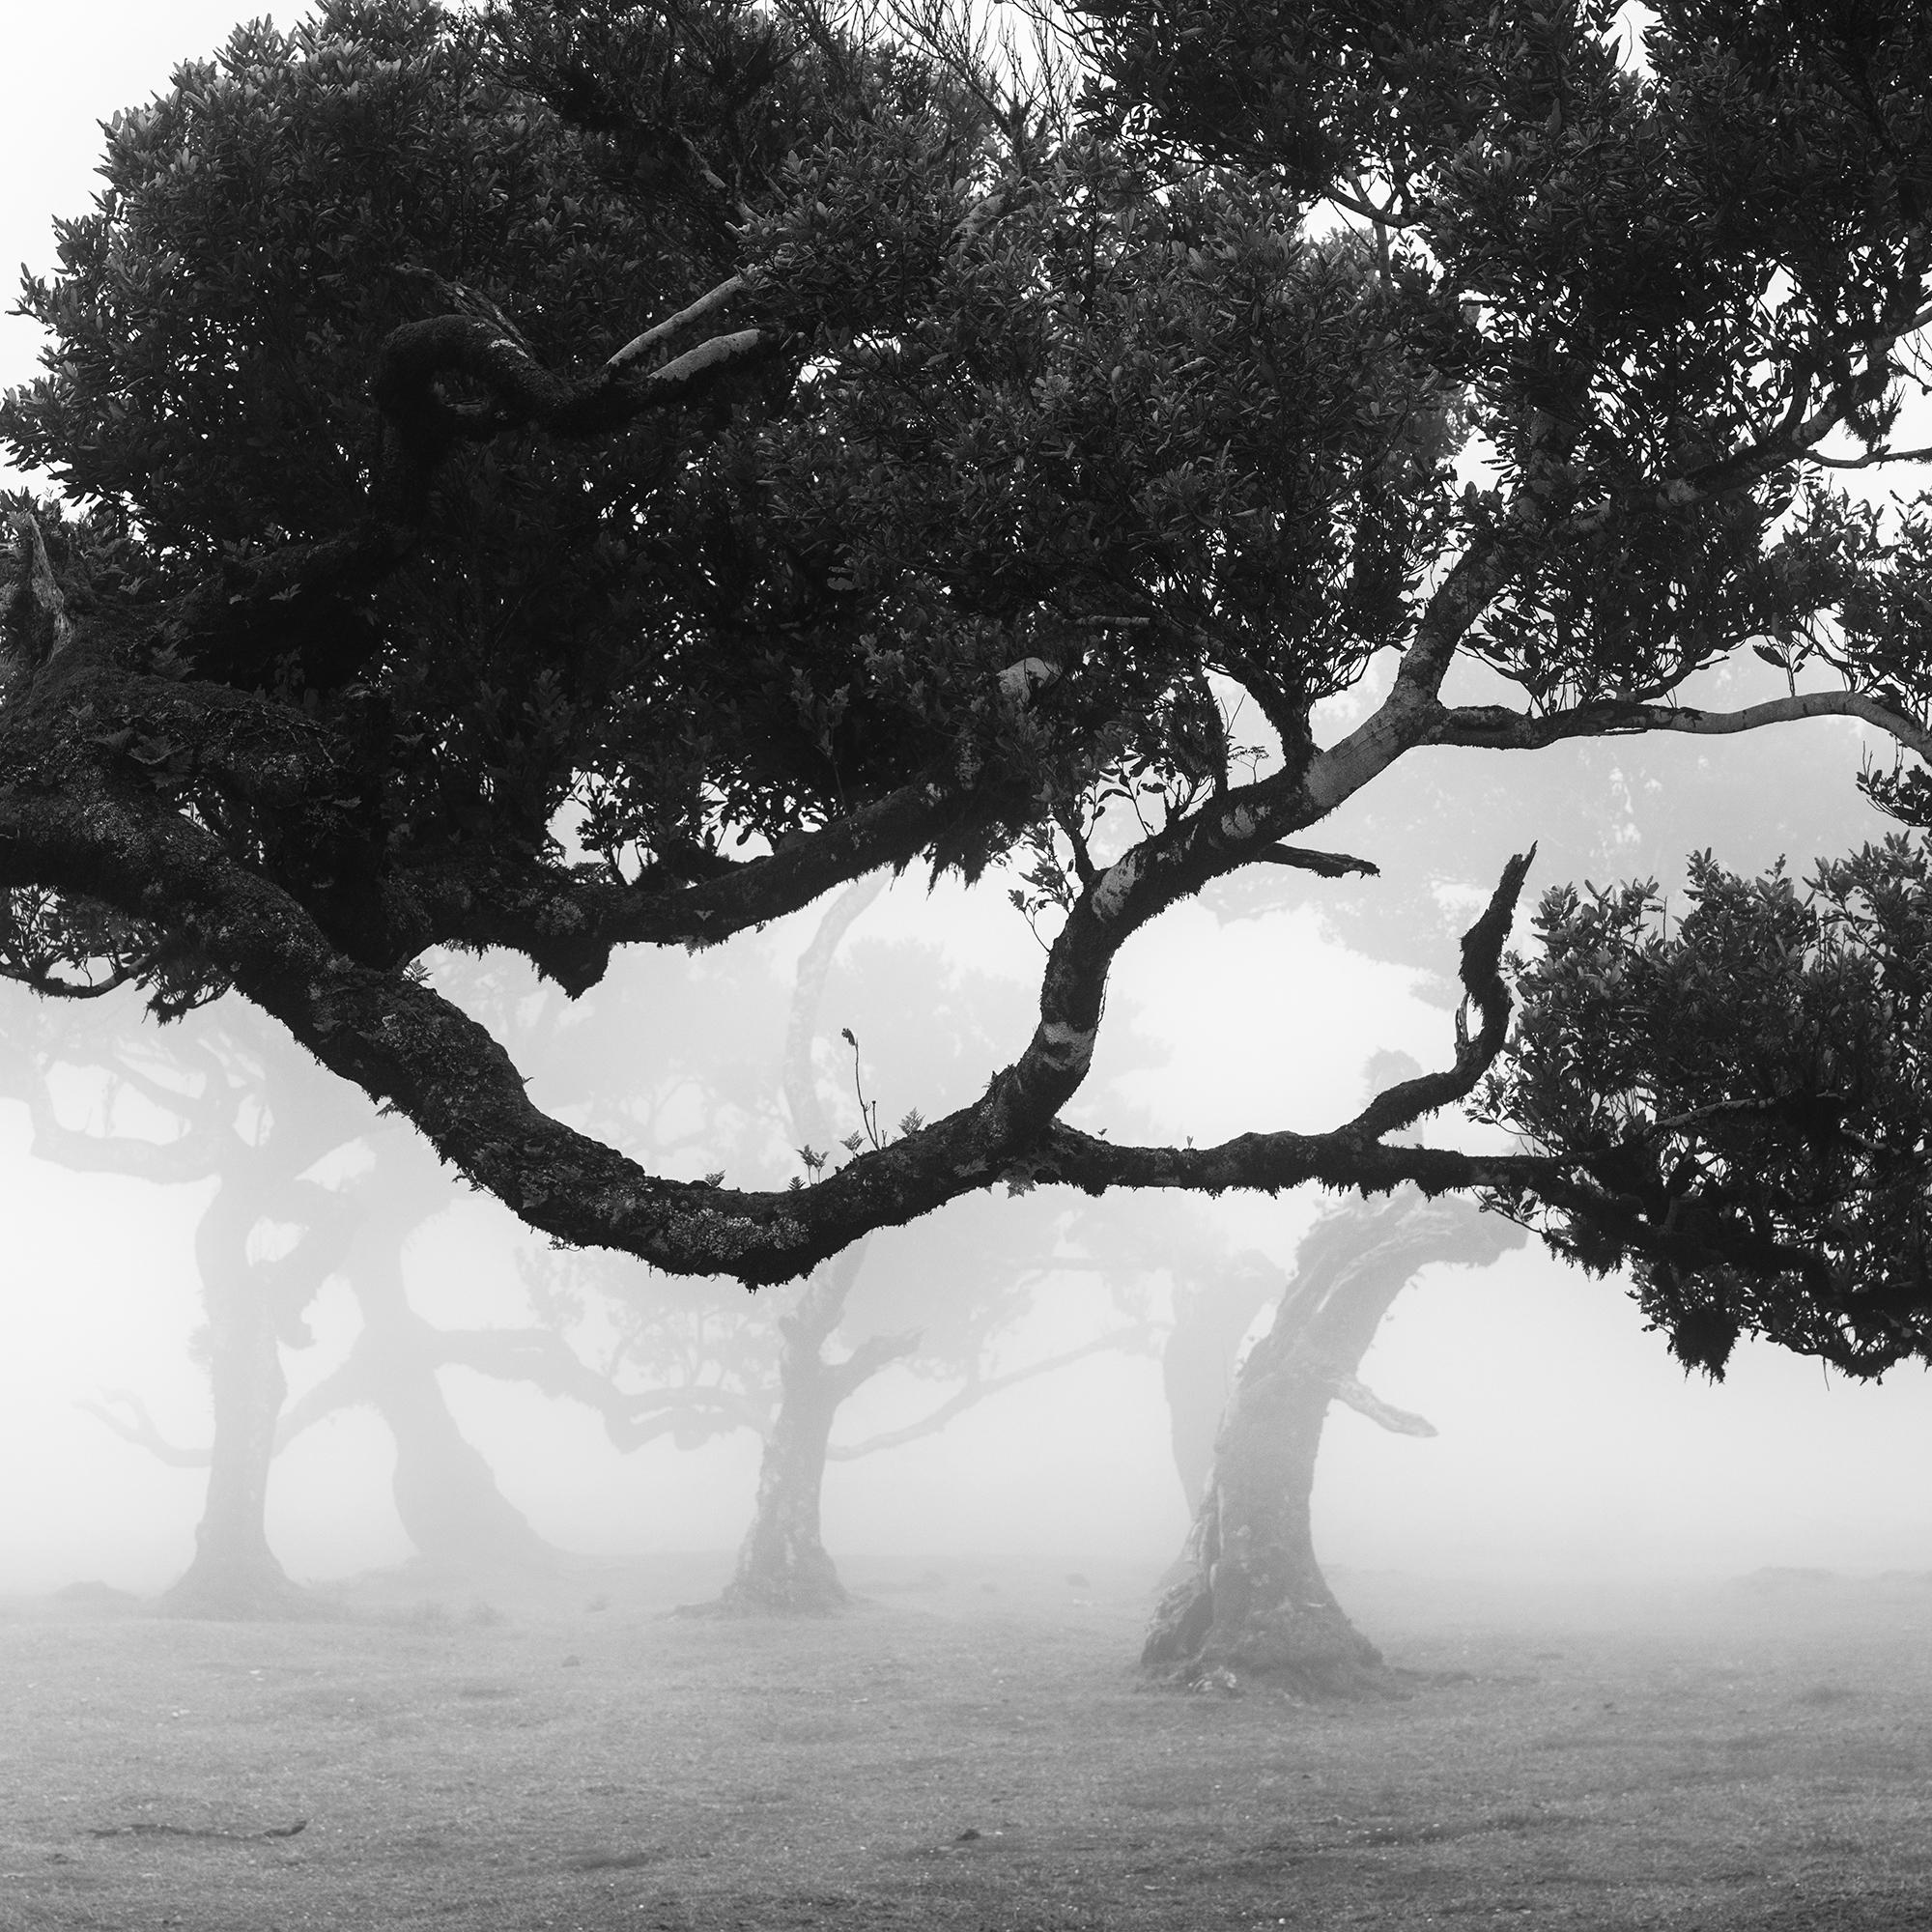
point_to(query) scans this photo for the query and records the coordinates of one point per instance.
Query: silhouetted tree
(1754, 1078)
(570, 476)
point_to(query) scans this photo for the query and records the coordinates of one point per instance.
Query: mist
(368, 1558)
(1572, 1449)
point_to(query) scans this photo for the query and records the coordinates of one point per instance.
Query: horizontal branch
(1498, 728)
(405, 1046)
(567, 920)
(1330, 864)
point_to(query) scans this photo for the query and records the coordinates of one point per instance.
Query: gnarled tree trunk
(445, 1489)
(235, 1574)
(783, 1566)
(1252, 1604)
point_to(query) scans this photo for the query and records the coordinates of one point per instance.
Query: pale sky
(1567, 1435)
(70, 68)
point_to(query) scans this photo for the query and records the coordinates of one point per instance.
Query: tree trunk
(445, 1489)
(1211, 1313)
(1252, 1604)
(783, 1567)
(233, 1573)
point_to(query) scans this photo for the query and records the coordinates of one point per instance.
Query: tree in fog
(230, 1109)
(1251, 1599)
(567, 477)
(222, 1099)
(939, 1302)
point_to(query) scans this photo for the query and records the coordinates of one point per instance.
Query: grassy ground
(966, 1751)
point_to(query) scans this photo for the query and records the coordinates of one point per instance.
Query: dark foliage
(581, 473)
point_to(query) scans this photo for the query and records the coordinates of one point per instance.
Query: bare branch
(977, 1388)
(1483, 988)
(1330, 864)
(129, 1416)
(1496, 726)
(706, 305)
(1364, 1401)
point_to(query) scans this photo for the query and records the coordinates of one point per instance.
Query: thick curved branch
(1353, 1155)
(404, 1045)
(1485, 989)
(522, 393)
(566, 920)
(708, 303)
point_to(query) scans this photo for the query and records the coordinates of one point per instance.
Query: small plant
(910, 1121)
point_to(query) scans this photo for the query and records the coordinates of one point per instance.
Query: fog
(1569, 1445)
(1570, 1448)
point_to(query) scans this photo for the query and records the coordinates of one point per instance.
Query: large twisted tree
(587, 475)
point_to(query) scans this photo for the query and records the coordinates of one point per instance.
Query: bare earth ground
(969, 1750)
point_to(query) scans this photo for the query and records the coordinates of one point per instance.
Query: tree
(985, 447)
(250, 1115)
(1758, 1094)
(1252, 1601)
(226, 1100)
(936, 1303)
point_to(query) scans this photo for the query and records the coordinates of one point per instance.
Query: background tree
(1025, 429)
(941, 1303)
(1252, 1601)
(231, 1106)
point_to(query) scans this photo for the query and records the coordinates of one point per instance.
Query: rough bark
(76, 821)
(1253, 1606)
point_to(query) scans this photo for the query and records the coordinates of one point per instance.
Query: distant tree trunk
(233, 1573)
(783, 1566)
(1253, 1603)
(1211, 1313)
(446, 1491)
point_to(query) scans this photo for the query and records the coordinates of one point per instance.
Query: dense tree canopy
(577, 474)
